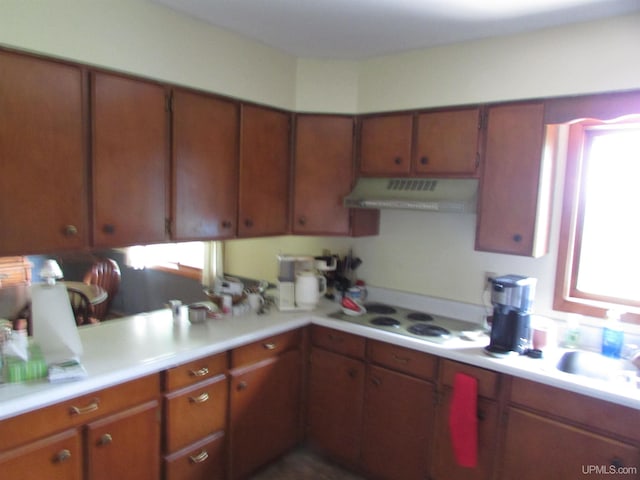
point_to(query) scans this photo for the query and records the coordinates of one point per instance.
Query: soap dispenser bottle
(612, 335)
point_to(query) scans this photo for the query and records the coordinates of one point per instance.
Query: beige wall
(418, 252)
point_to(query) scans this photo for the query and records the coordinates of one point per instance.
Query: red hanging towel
(463, 420)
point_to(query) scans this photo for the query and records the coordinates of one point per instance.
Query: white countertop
(124, 349)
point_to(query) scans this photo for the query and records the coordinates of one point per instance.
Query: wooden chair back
(105, 273)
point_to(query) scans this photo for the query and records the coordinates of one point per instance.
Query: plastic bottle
(612, 335)
(572, 337)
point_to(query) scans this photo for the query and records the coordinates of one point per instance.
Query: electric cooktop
(412, 323)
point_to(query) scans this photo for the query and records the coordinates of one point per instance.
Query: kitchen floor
(303, 464)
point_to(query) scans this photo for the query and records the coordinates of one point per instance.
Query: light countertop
(131, 347)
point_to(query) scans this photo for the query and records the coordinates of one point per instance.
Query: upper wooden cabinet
(323, 174)
(515, 187)
(130, 160)
(43, 193)
(385, 145)
(205, 166)
(264, 172)
(446, 144)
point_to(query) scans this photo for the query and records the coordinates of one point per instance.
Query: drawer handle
(400, 359)
(242, 385)
(335, 338)
(199, 458)
(62, 456)
(203, 397)
(376, 381)
(92, 407)
(199, 373)
(269, 346)
(105, 439)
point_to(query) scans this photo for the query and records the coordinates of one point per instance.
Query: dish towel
(463, 420)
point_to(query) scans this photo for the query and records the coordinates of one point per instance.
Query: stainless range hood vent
(427, 194)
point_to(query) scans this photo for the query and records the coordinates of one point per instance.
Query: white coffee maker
(289, 266)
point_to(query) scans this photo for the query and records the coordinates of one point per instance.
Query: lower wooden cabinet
(125, 445)
(203, 460)
(334, 413)
(58, 457)
(265, 411)
(538, 447)
(397, 425)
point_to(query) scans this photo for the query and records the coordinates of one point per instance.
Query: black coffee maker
(512, 299)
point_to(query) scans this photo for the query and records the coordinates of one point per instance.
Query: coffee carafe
(512, 299)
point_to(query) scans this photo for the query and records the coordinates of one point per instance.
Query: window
(599, 254)
(185, 259)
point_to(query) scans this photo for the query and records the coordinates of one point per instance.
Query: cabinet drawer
(488, 381)
(592, 412)
(337, 341)
(203, 460)
(413, 362)
(196, 371)
(58, 457)
(268, 347)
(195, 412)
(77, 411)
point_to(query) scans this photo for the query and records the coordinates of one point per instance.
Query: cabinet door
(447, 143)
(58, 457)
(130, 161)
(397, 425)
(537, 447)
(323, 174)
(43, 194)
(205, 166)
(385, 145)
(445, 466)
(336, 389)
(125, 445)
(264, 172)
(265, 411)
(510, 184)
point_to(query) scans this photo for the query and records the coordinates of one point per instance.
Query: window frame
(566, 296)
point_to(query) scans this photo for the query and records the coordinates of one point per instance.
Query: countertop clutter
(132, 347)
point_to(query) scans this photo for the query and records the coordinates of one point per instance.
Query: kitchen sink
(595, 365)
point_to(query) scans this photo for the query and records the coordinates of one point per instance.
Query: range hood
(427, 194)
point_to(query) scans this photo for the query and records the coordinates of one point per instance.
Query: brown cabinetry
(397, 425)
(195, 416)
(130, 146)
(265, 397)
(445, 466)
(446, 144)
(111, 433)
(323, 176)
(515, 188)
(43, 193)
(589, 433)
(264, 172)
(205, 166)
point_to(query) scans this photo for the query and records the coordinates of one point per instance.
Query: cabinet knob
(424, 160)
(376, 381)
(481, 415)
(302, 221)
(105, 439)
(199, 458)
(248, 223)
(517, 238)
(242, 386)
(226, 224)
(352, 372)
(70, 231)
(397, 160)
(62, 456)
(109, 228)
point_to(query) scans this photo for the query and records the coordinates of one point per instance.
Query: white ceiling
(357, 29)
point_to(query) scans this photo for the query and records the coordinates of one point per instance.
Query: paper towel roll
(54, 327)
